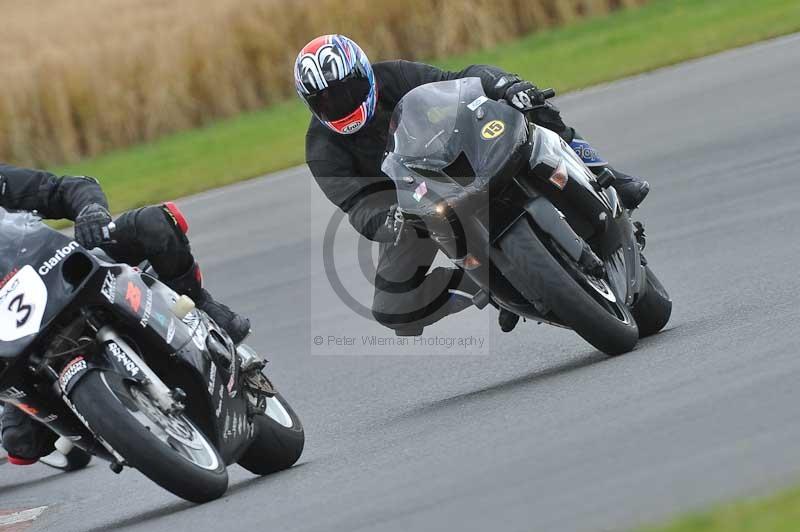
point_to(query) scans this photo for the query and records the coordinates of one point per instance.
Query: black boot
(507, 320)
(631, 190)
(191, 284)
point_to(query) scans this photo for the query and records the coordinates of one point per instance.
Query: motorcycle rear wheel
(610, 326)
(653, 310)
(167, 448)
(279, 439)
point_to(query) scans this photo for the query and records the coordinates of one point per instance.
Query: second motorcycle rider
(156, 233)
(352, 102)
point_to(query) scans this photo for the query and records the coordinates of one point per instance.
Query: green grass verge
(780, 513)
(601, 49)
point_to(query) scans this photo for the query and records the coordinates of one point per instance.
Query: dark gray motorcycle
(125, 369)
(517, 210)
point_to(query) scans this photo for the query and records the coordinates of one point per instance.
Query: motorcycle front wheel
(586, 304)
(169, 449)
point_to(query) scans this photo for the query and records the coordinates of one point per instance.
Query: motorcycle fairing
(465, 216)
(190, 351)
(26, 249)
(454, 149)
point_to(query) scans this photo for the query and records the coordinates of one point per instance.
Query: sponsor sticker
(109, 289)
(133, 296)
(7, 277)
(75, 366)
(477, 102)
(122, 358)
(219, 407)
(28, 409)
(349, 128)
(420, 191)
(587, 154)
(148, 308)
(48, 265)
(195, 322)
(227, 432)
(13, 393)
(212, 379)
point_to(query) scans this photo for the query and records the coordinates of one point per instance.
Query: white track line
(22, 516)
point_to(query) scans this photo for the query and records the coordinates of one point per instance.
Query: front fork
(155, 387)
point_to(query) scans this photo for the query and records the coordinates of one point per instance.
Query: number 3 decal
(20, 309)
(22, 303)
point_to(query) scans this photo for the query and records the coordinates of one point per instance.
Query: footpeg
(481, 299)
(64, 445)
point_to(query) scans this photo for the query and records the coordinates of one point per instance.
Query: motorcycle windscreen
(13, 227)
(451, 132)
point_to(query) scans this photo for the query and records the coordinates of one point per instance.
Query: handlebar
(108, 233)
(548, 93)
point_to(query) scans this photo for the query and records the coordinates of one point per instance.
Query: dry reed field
(81, 77)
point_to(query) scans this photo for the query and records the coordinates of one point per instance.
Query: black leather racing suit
(150, 233)
(348, 170)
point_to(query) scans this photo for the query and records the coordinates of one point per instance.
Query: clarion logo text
(53, 261)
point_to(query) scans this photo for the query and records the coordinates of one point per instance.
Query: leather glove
(524, 96)
(91, 226)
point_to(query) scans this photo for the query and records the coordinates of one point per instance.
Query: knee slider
(176, 216)
(159, 230)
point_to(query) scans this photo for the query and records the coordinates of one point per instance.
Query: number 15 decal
(22, 303)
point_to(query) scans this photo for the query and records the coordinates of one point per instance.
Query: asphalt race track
(532, 430)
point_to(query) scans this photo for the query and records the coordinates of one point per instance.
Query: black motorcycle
(515, 208)
(125, 369)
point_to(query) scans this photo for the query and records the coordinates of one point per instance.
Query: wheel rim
(277, 412)
(597, 288)
(175, 431)
(602, 293)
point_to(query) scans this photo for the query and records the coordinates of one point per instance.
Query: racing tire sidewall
(110, 419)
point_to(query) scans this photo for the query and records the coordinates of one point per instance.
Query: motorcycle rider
(155, 233)
(352, 102)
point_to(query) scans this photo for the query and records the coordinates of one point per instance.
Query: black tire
(652, 312)
(110, 406)
(276, 447)
(571, 302)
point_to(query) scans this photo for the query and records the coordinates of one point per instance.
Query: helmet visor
(341, 98)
